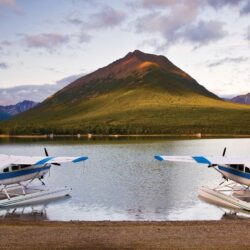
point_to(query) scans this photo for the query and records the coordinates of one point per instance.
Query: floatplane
(18, 172)
(233, 192)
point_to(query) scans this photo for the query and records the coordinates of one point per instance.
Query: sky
(44, 45)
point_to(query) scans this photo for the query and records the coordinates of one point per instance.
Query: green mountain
(138, 94)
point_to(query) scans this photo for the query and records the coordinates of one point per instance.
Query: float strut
(6, 193)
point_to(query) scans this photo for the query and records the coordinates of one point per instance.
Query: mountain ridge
(12, 110)
(243, 99)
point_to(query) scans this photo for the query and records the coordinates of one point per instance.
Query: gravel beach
(224, 234)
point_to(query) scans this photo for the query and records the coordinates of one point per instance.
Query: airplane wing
(216, 160)
(68, 159)
(36, 160)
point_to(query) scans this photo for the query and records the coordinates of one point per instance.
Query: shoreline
(117, 136)
(224, 234)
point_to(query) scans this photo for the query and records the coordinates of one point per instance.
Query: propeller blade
(56, 164)
(212, 165)
(46, 152)
(224, 152)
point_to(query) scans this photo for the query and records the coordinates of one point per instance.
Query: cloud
(216, 4)
(3, 65)
(204, 32)
(107, 17)
(75, 20)
(157, 3)
(5, 43)
(174, 29)
(245, 10)
(8, 3)
(222, 3)
(68, 79)
(228, 60)
(84, 38)
(168, 24)
(248, 33)
(36, 93)
(46, 40)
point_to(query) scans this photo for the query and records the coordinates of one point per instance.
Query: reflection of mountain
(140, 94)
(11, 110)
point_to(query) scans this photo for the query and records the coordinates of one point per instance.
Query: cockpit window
(6, 170)
(247, 170)
(14, 168)
(241, 167)
(234, 166)
(24, 166)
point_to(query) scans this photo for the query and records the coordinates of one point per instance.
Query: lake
(122, 180)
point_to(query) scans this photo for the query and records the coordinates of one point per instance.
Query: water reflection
(122, 181)
(25, 213)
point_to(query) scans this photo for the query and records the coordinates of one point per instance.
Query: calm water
(122, 181)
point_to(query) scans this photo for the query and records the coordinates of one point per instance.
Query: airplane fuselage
(236, 172)
(21, 173)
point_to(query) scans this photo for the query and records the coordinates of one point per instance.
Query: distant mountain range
(243, 99)
(37, 93)
(11, 110)
(138, 94)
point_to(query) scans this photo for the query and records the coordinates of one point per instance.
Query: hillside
(140, 93)
(3, 115)
(243, 99)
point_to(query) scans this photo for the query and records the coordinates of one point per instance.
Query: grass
(137, 111)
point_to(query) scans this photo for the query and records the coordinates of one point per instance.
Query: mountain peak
(136, 53)
(147, 56)
(135, 70)
(133, 63)
(118, 69)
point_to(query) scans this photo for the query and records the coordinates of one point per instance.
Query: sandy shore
(225, 234)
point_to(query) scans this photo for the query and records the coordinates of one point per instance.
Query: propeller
(224, 152)
(47, 154)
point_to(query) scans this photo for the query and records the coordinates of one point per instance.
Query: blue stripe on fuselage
(235, 172)
(23, 172)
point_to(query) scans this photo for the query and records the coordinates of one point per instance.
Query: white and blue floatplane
(233, 193)
(18, 172)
